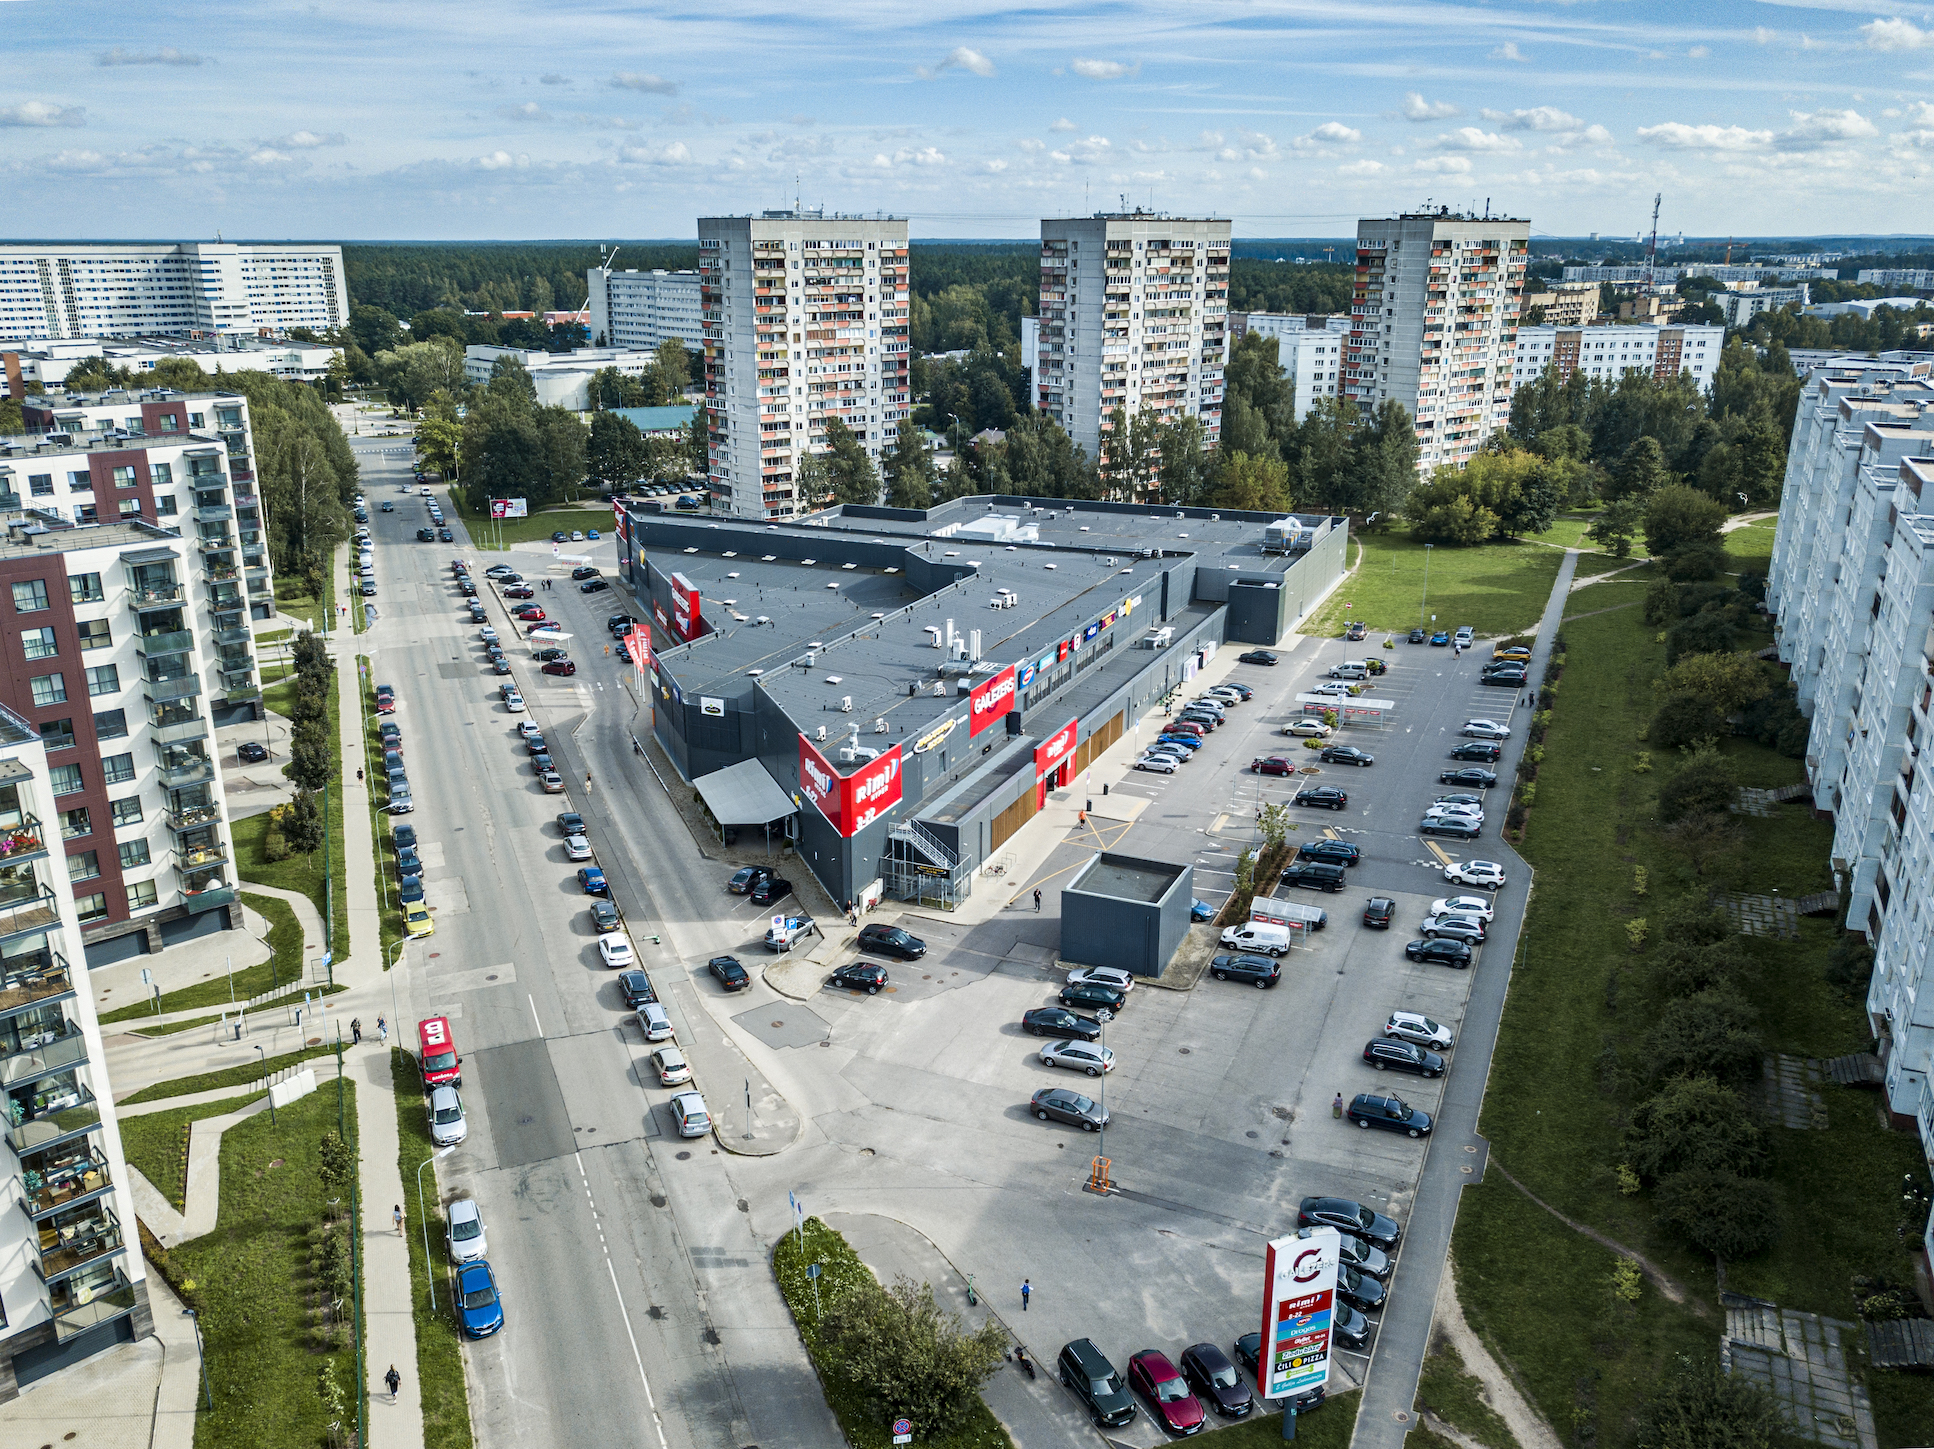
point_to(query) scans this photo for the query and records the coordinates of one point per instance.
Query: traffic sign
(903, 1431)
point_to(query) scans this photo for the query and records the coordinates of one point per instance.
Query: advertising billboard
(685, 606)
(1299, 1298)
(638, 646)
(1058, 748)
(509, 508)
(990, 701)
(850, 802)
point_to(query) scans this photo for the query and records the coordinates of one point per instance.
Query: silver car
(654, 1023)
(447, 1124)
(1081, 1056)
(688, 1111)
(467, 1239)
(1414, 1026)
(670, 1064)
(1453, 928)
(1112, 977)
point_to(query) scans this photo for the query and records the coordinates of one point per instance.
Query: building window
(91, 908)
(164, 506)
(80, 481)
(197, 420)
(126, 812)
(134, 852)
(86, 513)
(85, 866)
(142, 894)
(58, 734)
(162, 475)
(130, 507)
(66, 779)
(104, 679)
(85, 589)
(40, 485)
(38, 643)
(170, 423)
(74, 823)
(124, 477)
(111, 724)
(30, 596)
(48, 689)
(117, 768)
(95, 634)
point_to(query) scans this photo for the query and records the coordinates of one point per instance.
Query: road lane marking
(533, 1001)
(651, 1401)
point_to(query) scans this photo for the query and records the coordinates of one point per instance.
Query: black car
(1093, 996)
(534, 745)
(1505, 679)
(771, 889)
(891, 941)
(426, 535)
(1256, 656)
(594, 586)
(1348, 1216)
(748, 876)
(1417, 636)
(1202, 717)
(731, 975)
(1346, 755)
(1378, 912)
(1063, 1104)
(1257, 970)
(583, 572)
(1336, 852)
(570, 823)
(1359, 1290)
(1215, 1380)
(604, 917)
(616, 619)
(864, 976)
(1393, 1114)
(446, 536)
(1314, 875)
(1086, 1373)
(1061, 1024)
(1402, 1056)
(541, 763)
(1443, 952)
(545, 656)
(1470, 775)
(1322, 797)
(1454, 826)
(637, 989)
(1485, 752)
(252, 753)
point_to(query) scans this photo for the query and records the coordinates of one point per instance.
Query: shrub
(1642, 763)
(1627, 1280)
(1850, 964)
(1703, 782)
(1700, 1406)
(303, 826)
(919, 1359)
(1694, 563)
(1683, 720)
(275, 846)
(1694, 1122)
(1638, 880)
(1686, 968)
(1713, 1031)
(1694, 922)
(1707, 633)
(1720, 1213)
(1635, 933)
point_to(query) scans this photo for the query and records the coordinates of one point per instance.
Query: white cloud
(1335, 131)
(997, 166)
(1257, 145)
(1700, 52)
(309, 140)
(668, 155)
(1362, 168)
(631, 80)
(1470, 138)
(1256, 173)
(267, 156)
(1443, 165)
(1823, 128)
(1896, 34)
(42, 113)
(502, 161)
(1416, 108)
(961, 58)
(1920, 140)
(1763, 36)
(1681, 137)
(529, 111)
(1920, 112)
(1538, 118)
(1064, 124)
(1103, 69)
(167, 55)
(1032, 146)
(1509, 51)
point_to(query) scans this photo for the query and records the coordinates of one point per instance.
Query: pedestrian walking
(382, 1031)
(1037, 902)
(396, 1213)
(355, 1031)
(587, 779)
(1336, 1107)
(1025, 1291)
(394, 1380)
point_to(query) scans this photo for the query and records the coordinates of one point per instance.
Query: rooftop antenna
(1652, 247)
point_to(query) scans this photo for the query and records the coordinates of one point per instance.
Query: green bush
(1713, 1031)
(1704, 782)
(1704, 633)
(1720, 1212)
(1694, 1122)
(1684, 719)
(1701, 1406)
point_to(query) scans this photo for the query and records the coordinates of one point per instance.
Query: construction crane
(1652, 247)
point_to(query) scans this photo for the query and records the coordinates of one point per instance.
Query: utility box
(1126, 912)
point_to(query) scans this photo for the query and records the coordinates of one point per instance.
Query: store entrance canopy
(743, 794)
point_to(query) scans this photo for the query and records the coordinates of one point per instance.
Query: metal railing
(929, 843)
(27, 981)
(36, 913)
(54, 1054)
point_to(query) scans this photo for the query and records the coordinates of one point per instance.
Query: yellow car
(1511, 651)
(416, 920)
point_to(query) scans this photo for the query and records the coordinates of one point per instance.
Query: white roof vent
(691, 550)
(833, 679)
(768, 558)
(729, 553)
(1048, 566)
(834, 584)
(849, 566)
(753, 673)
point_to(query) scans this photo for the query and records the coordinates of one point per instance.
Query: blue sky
(500, 119)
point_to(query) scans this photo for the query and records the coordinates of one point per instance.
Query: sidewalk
(205, 958)
(387, 1310)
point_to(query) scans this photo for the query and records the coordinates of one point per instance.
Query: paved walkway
(1801, 1358)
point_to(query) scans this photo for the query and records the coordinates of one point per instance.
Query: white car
(1309, 728)
(577, 848)
(1082, 1056)
(616, 950)
(654, 1023)
(1330, 686)
(1109, 976)
(688, 1112)
(1226, 695)
(1487, 874)
(1159, 764)
(671, 1066)
(529, 727)
(467, 1239)
(1485, 729)
(1462, 906)
(447, 1126)
(1450, 807)
(514, 702)
(406, 487)
(1415, 1026)
(1213, 705)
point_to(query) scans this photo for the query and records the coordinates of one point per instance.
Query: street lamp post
(201, 1352)
(1104, 1016)
(423, 1213)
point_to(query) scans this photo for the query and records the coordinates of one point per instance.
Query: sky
(497, 119)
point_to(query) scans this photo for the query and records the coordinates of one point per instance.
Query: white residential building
(1718, 271)
(1435, 323)
(805, 319)
(1863, 308)
(562, 379)
(201, 288)
(1611, 350)
(642, 309)
(1741, 307)
(1911, 278)
(48, 363)
(1308, 348)
(1134, 315)
(72, 1278)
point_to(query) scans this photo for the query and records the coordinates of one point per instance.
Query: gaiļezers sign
(990, 701)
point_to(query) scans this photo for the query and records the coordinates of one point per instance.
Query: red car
(1185, 727)
(458, 566)
(529, 613)
(1272, 765)
(560, 666)
(538, 623)
(385, 699)
(1166, 1392)
(520, 591)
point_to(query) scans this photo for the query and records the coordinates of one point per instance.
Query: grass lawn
(484, 533)
(284, 964)
(157, 1142)
(1629, 570)
(252, 1283)
(274, 1003)
(274, 636)
(1330, 1427)
(1567, 532)
(439, 1353)
(1499, 588)
(1454, 1395)
(389, 912)
(863, 1418)
(249, 1073)
(1577, 1014)
(303, 873)
(320, 613)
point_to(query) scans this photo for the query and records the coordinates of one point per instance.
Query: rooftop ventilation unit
(973, 645)
(846, 704)
(932, 631)
(834, 678)
(820, 734)
(879, 726)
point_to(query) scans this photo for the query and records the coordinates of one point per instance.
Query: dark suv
(1088, 1375)
(1335, 852)
(891, 941)
(1257, 970)
(1314, 875)
(1378, 912)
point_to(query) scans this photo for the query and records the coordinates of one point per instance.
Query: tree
(916, 1358)
(1614, 527)
(1682, 720)
(610, 388)
(409, 374)
(437, 442)
(1254, 378)
(1678, 517)
(1709, 633)
(1382, 465)
(303, 825)
(616, 451)
(1705, 837)
(1685, 968)
(335, 1163)
(1130, 453)
(1711, 1032)
(1443, 516)
(674, 366)
(1704, 782)
(1254, 484)
(1720, 1213)
(1640, 471)
(909, 468)
(561, 445)
(1701, 1406)
(850, 471)
(1541, 492)
(1185, 469)
(1694, 1122)
(511, 380)
(1729, 682)
(373, 329)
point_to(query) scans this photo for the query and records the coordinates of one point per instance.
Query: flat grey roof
(1125, 878)
(743, 794)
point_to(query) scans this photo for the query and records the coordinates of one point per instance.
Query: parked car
(1462, 906)
(1379, 912)
(616, 950)
(1091, 996)
(604, 916)
(1056, 1021)
(1348, 1216)
(1346, 755)
(865, 976)
(1487, 874)
(747, 877)
(1086, 1373)
(1453, 928)
(582, 572)
(1485, 729)
(559, 666)
(594, 586)
(1361, 1292)
(672, 1068)
(1110, 976)
(771, 889)
(1258, 971)
(1465, 636)
(479, 1306)
(1308, 728)
(1440, 638)
(1165, 1392)
(252, 753)
(654, 1023)
(1322, 797)
(1481, 752)
(689, 1115)
(1200, 911)
(637, 988)
(729, 973)
(447, 1124)
(1060, 1104)
(1080, 1056)
(1414, 1026)
(1314, 875)
(1387, 1054)
(1256, 656)
(1336, 852)
(592, 882)
(1159, 764)
(884, 940)
(466, 1230)
(1272, 765)
(1440, 952)
(1355, 630)
(1458, 827)
(1215, 1380)
(1417, 636)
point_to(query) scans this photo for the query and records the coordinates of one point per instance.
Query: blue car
(1201, 911)
(411, 892)
(1442, 636)
(1190, 742)
(590, 533)
(592, 879)
(479, 1308)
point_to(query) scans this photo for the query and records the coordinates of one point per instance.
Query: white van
(1257, 936)
(1350, 669)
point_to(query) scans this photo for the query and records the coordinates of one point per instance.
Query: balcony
(235, 633)
(199, 857)
(41, 1054)
(191, 770)
(220, 573)
(51, 1118)
(154, 596)
(215, 893)
(75, 1240)
(179, 641)
(31, 980)
(214, 512)
(192, 816)
(21, 839)
(27, 914)
(63, 1178)
(181, 732)
(181, 686)
(87, 1300)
